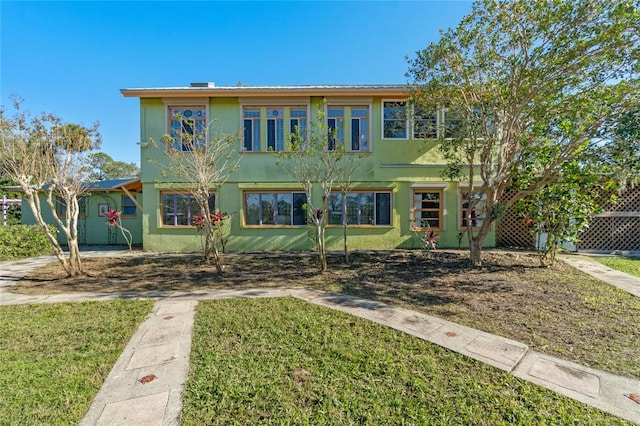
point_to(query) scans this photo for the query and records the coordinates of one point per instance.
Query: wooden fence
(617, 228)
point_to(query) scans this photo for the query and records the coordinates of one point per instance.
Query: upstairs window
(187, 127)
(363, 208)
(394, 120)
(252, 129)
(335, 124)
(359, 128)
(298, 122)
(275, 129)
(425, 123)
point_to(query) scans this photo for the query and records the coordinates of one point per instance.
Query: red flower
(112, 217)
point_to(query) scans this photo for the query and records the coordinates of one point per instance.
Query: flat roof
(212, 91)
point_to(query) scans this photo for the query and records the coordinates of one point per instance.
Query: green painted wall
(92, 228)
(391, 164)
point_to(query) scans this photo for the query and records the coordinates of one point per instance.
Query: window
(275, 208)
(128, 206)
(425, 123)
(478, 212)
(335, 123)
(187, 127)
(61, 207)
(275, 129)
(427, 209)
(452, 124)
(178, 209)
(298, 121)
(363, 208)
(394, 120)
(252, 129)
(359, 128)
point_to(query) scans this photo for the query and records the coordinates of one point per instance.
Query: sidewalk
(146, 384)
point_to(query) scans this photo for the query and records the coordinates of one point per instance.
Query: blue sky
(72, 58)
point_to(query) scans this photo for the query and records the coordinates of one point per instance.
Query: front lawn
(283, 361)
(558, 311)
(54, 357)
(630, 265)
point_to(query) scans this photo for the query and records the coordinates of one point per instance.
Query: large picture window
(363, 208)
(179, 209)
(427, 208)
(275, 208)
(187, 127)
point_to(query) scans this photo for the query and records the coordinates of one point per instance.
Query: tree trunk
(322, 256)
(475, 252)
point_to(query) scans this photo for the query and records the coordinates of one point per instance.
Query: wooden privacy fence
(617, 228)
(511, 231)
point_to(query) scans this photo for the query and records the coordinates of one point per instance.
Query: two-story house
(397, 186)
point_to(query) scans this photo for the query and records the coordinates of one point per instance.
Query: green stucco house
(397, 186)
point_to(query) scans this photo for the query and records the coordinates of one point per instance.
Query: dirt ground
(558, 310)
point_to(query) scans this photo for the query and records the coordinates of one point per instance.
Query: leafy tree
(103, 167)
(46, 156)
(533, 84)
(315, 160)
(205, 160)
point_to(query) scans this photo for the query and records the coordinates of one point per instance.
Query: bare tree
(314, 158)
(47, 157)
(202, 158)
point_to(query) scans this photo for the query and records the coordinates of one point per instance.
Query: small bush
(19, 241)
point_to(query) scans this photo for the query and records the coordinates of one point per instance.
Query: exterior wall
(92, 228)
(395, 165)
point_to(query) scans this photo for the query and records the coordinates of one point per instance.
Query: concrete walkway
(146, 384)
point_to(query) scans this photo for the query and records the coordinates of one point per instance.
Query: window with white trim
(187, 127)
(425, 122)
(478, 211)
(394, 120)
(363, 208)
(179, 209)
(427, 208)
(275, 208)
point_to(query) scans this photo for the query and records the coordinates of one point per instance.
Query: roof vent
(210, 84)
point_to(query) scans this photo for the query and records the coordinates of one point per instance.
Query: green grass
(283, 361)
(54, 357)
(630, 265)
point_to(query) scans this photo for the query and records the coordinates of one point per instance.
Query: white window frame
(407, 124)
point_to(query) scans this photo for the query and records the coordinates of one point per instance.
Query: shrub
(19, 241)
